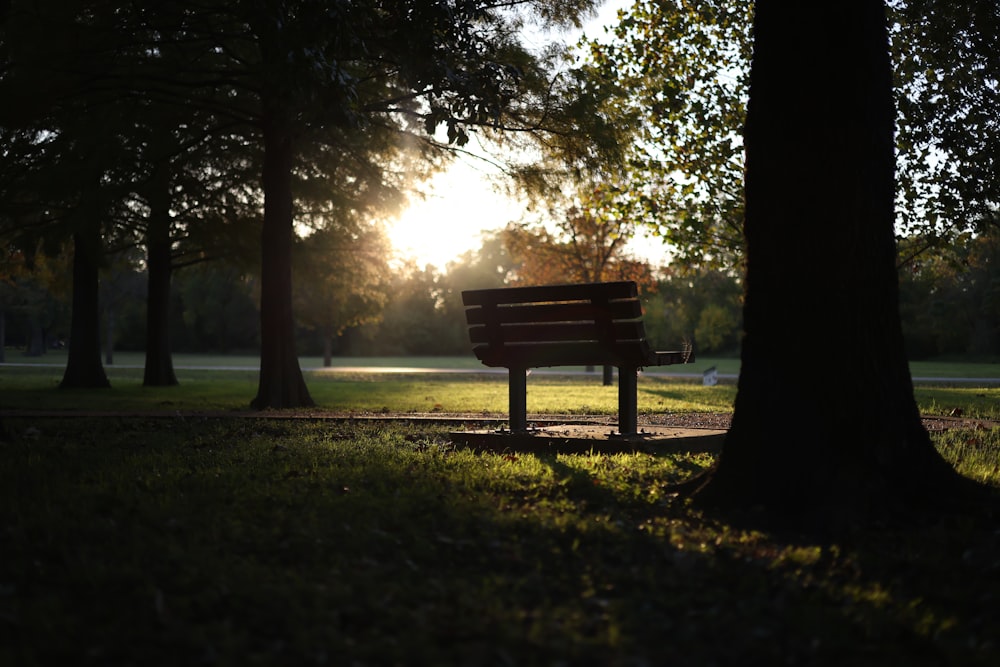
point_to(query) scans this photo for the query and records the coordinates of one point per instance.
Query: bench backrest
(556, 325)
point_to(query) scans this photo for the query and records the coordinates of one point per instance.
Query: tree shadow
(254, 539)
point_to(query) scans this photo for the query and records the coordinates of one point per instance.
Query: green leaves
(680, 70)
(947, 78)
(676, 73)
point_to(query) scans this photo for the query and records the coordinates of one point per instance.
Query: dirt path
(711, 420)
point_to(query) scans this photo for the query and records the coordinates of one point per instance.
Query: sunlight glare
(460, 205)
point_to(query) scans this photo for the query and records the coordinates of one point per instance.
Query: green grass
(978, 402)
(36, 387)
(27, 388)
(974, 453)
(249, 541)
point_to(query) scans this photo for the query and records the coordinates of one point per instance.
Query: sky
(462, 203)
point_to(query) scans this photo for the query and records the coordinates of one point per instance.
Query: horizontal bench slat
(554, 312)
(625, 289)
(539, 355)
(559, 331)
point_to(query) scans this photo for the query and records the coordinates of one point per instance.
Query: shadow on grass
(182, 542)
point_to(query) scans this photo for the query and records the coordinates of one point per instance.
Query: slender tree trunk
(840, 440)
(83, 366)
(109, 336)
(3, 336)
(281, 383)
(159, 367)
(327, 349)
(36, 338)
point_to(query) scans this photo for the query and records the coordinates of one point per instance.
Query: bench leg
(628, 404)
(518, 399)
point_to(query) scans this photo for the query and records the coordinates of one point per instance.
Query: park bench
(588, 324)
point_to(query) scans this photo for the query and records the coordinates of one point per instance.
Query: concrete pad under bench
(593, 438)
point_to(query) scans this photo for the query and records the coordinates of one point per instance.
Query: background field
(724, 365)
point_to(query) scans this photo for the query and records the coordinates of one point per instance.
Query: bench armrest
(673, 357)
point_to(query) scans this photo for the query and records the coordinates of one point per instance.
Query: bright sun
(450, 220)
(462, 204)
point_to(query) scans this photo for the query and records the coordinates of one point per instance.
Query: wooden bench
(564, 325)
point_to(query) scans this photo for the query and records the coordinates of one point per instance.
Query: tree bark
(83, 365)
(281, 383)
(159, 366)
(841, 440)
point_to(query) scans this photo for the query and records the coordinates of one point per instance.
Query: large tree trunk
(159, 368)
(281, 382)
(83, 365)
(840, 438)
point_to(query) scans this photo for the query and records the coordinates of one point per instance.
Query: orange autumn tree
(587, 245)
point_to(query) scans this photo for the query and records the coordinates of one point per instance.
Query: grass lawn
(243, 540)
(203, 388)
(249, 541)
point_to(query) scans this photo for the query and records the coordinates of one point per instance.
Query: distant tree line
(950, 306)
